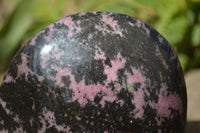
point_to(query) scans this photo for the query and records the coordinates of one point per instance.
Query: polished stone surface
(94, 72)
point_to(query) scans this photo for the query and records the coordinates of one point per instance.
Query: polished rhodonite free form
(94, 72)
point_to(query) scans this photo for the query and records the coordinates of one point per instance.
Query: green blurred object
(15, 28)
(196, 35)
(177, 20)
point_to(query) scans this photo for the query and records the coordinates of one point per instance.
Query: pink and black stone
(94, 72)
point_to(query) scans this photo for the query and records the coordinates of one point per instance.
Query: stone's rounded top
(94, 72)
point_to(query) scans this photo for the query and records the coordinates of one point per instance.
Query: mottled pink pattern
(117, 63)
(138, 95)
(84, 59)
(8, 79)
(68, 21)
(108, 20)
(99, 54)
(138, 101)
(112, 23)
(23, 68)
(73, 28)
(52, 54)
(48, 38)
(99, 27)
(48, 120)
(90, 36)
(16, 119)
(137, 77)
(3, 104)
(109, 95)
(111, 74)
(60, 73)
(142, 25)
(32, 42)
(121, 102)
(44, 60)
(167, 101)
(82, 92)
